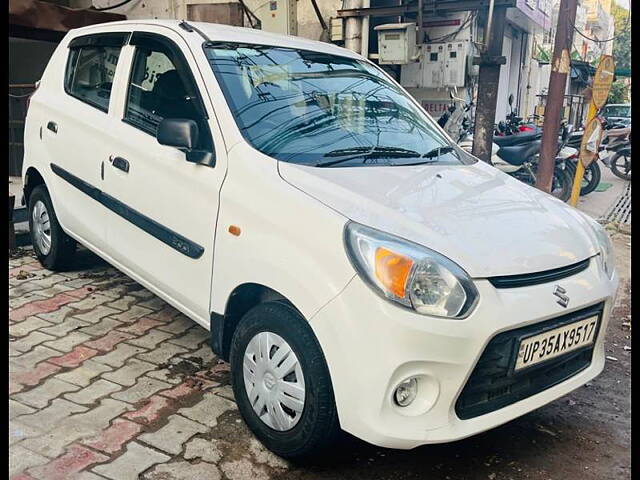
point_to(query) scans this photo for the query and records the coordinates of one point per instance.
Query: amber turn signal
(392, 270)
(234, 230)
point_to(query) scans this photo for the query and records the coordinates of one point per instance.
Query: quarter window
(90, 72)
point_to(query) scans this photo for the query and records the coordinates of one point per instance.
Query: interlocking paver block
(188, 387)
(207, 410)
(243, 469)
(57, 316)
(102, 327)
(204, 353)
(151, 339)
(132, 463)
(91, 302)
(192, 340)
(19, 431)
(40, 396)
(171, 437)
(166, 314)
(165, 375)
(128, 374)
(27, 343)
(144, 388)
(98, 389)
(110, 340)
(178, 325)
(75, 459)
(154, 303)
(162, 354)
(34, 376)
(96, 314)
(75, 427)
(84, 374)
(66, 343)
(62, 329)
(35, 356)
(27, 326)
(151, 411)
(17, 408)
(207, 450)
(20, 459)
(141, 326)
(123, 303)
(75, 357)
(41, 306)
(54, 290)
(113, 438)
(48, 418)
(26, 293)
(184, 471)
(120, 355)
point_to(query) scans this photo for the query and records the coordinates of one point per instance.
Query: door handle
(53, 126)
(120, 163)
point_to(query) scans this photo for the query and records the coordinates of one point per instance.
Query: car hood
(487, 222)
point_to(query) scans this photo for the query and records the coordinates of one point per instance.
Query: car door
(166, 206)
(76, 114)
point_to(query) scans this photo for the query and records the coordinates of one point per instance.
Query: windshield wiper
(436, 152)
(366, 153)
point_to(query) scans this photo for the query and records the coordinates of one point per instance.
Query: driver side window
(161, 86)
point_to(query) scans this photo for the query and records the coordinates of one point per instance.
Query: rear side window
(91, 67)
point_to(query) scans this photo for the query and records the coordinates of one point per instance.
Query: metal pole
(560, 66)
(364, 43)
(488, 80)
(353, 28)
(577, 179)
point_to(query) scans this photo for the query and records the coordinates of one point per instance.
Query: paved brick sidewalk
(108, 381)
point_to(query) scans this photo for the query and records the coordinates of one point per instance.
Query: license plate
(556, 342)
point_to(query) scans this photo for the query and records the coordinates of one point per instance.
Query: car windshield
(617, 111)
(324, 110)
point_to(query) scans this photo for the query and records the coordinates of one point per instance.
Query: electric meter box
(396, 43)
(439, 65)
(428, 71)
(455, 63)
(279, 16)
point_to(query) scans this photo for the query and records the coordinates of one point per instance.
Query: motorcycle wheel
(590, 179)
(620, 165)
(561, 184)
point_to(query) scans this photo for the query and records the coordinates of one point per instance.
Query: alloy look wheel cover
(41, 227)
(273, 381)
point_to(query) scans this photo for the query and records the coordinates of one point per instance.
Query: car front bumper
(371, 345)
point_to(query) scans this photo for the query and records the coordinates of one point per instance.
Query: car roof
(226, 33)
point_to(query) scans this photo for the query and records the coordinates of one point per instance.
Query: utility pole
(560, 66)
(488, 80)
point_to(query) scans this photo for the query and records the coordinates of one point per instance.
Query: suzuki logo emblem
(560, 292)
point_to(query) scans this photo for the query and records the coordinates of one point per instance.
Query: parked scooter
(618, 141)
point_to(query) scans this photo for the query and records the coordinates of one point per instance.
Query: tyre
(53, 247)
(281, 382)
(590, 179)
(561, 184)
(620, 165)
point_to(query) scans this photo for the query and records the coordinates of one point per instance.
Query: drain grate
(620, 211)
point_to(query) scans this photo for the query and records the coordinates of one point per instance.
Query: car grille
(528, 279)
(493, 384)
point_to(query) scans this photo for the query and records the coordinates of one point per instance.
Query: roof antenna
(190, 28)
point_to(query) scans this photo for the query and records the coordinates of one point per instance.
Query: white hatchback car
(359, 270)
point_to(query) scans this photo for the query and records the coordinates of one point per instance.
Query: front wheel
(620, 165)
(281, 382)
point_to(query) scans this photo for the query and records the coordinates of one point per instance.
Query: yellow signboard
(602, 81)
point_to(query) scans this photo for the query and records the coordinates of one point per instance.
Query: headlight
(606, 250)
(409, 274)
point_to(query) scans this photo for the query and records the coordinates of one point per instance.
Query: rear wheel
(590, 179)
(53, 247)
(281, 382)
(561, 184)
(620, 165)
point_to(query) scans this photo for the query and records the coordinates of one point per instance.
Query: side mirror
(181, 133)
(510, 99)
